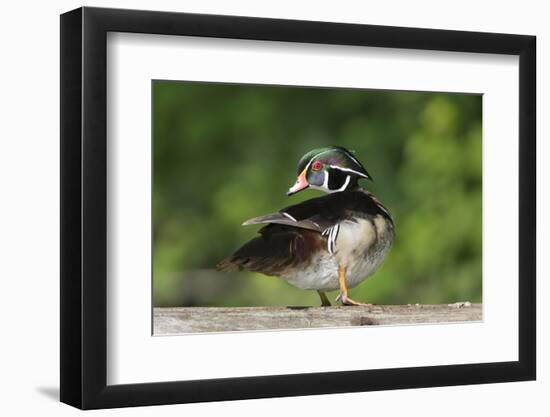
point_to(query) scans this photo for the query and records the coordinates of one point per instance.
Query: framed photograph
(258, 208)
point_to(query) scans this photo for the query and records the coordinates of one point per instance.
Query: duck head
(330, 169)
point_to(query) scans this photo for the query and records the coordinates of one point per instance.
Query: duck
(327, 243)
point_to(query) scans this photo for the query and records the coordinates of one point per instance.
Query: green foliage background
(226, 153)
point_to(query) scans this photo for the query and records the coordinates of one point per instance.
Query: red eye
(316, 166)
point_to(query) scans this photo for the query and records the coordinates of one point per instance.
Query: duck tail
(228, 265)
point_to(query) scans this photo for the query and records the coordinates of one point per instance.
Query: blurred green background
(226, 153)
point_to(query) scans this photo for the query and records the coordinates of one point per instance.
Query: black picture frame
(84, 207)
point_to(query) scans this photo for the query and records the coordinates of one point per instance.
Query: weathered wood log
(179, 320)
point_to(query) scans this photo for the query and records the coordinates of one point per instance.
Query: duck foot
(349, 302)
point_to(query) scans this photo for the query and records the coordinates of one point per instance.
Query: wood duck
(325, 243)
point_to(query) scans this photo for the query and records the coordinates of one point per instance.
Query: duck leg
(344, 290)
(324, 299)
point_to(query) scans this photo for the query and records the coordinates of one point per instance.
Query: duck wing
(322, 213)
(317, 214)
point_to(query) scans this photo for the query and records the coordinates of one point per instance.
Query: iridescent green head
(330, 169)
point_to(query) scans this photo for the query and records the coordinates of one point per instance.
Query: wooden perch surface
(178, 320)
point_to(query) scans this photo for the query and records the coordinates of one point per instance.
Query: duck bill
(301, 184)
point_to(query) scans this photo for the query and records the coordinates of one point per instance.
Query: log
(181, 320)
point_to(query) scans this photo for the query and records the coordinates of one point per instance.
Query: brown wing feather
(278, 248)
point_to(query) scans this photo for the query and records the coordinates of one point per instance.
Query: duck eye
(316, 166)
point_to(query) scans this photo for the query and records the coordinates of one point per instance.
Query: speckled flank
(361, 247)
